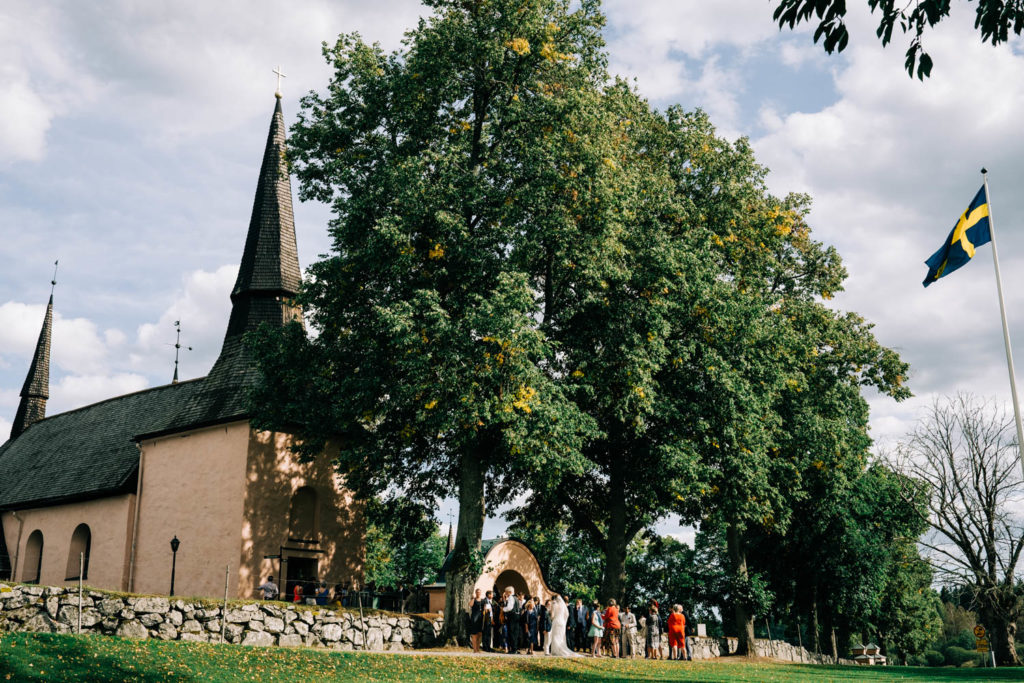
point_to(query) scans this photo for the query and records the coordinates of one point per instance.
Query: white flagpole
(1006, 328)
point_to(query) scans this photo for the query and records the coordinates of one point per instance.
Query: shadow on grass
(50, 657)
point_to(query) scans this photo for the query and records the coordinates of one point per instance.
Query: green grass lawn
(25, 657)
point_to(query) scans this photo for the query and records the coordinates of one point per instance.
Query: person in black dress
(530, 625)
(476, 619)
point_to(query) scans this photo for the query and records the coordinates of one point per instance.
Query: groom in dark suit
(578, 618)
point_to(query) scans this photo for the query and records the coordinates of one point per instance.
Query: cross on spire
(177, 349)
(280, 75)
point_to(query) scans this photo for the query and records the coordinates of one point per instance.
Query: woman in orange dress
(676, 633)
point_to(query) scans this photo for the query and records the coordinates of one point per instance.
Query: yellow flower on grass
(431, 404)
(520, 46)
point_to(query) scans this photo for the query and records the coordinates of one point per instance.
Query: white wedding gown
(559, 616)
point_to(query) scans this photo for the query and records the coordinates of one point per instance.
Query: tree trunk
(744, 617)
(814, 619)
(462, 574)
(613, 583)
(1001, 637)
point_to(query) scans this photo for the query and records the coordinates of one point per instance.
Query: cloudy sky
(132, 135)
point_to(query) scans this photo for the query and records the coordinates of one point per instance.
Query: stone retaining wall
(43, 609)
(709, 648)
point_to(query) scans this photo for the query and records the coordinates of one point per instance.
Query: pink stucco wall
(193, 487)
(109, 521)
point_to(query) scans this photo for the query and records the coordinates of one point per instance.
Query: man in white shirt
(511, 610)
(269, 588)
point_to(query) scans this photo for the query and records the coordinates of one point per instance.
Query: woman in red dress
(676, 633)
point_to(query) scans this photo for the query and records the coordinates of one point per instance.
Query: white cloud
(26, 119)
(5, 429)
(202, 306)
(74, 391)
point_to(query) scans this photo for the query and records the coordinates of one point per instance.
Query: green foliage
(994, 20)
(934, 658)
(402, 544)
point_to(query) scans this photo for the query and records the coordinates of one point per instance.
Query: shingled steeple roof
(36, 389)
(268, 279)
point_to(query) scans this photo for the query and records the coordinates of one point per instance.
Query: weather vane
(53, 282)
(280, 75)
(177, 350)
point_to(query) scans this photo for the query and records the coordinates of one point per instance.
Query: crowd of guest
(519, 624)
(341, 595)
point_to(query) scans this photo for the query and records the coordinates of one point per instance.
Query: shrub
(934, 658)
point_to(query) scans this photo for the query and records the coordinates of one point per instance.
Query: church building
(119, 480)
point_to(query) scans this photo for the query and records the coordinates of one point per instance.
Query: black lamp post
(174, 559)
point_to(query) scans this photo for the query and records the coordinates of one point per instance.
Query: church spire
(269, 273)
(36, 389)
(268, 280)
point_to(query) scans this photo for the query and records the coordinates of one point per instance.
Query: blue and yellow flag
(970, 232)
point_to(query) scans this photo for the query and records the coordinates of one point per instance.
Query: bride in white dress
(559, 616)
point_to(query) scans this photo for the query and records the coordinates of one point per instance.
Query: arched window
(303, 517)
(81, 542)
(33, 563)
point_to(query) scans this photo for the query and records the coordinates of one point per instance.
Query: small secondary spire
(36, 390)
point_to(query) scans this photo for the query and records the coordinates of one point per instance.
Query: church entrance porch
(300, 571)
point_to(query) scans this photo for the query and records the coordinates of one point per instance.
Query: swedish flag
(971, 231)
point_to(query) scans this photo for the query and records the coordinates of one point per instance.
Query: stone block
(52, 606)
(395, 646)
(255, 626)
(290, 640)
(258, 639)
(306, 616)
(132, 629)
(174, 618)
(233, 632)
(332, 632)
(40, 623)
(250, 607)
(191, 626)
(150, 620)
(237, 616)
(213, 626)
(271, 610)
(273, 624)
(407, 636)
(90, 616)
(149, 605)
(166, 632)
(110, 606)
(126, 614)
(211, 613)
(374, 639)
(301, 627)
(109, 624)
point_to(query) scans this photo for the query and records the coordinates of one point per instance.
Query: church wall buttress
(273, 477)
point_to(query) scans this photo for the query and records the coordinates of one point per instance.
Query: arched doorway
(32, 565)
(510, 578)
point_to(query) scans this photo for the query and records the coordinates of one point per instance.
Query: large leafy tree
(447, 164)
(618, 307)
(995, 20)
(773, 388)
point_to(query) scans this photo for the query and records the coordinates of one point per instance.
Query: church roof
(84, 453)
(90, 452)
